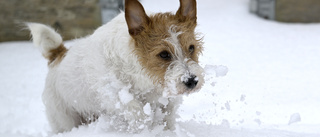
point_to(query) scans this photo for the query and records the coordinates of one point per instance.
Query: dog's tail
(48, 41)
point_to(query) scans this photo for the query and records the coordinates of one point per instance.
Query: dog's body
(135, 78)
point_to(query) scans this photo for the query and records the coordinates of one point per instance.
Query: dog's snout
(191, 82)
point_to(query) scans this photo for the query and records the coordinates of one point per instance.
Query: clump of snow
(147, 109)
(243, 98)
(227, 105)
(107, 94)
(125, 96)
(164, 101)
(210, 69)
(258, 121)
(294, 118)
(217, 70)
(221, 70)
(185, 77)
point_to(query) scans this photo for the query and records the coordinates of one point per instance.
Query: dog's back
(99, 62)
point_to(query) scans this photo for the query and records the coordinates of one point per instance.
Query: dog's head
(167, 46)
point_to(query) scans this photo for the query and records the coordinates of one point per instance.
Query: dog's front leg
(170, 112)
(135, 116)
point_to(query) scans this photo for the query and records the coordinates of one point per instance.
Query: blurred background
(71, 18)
(77, 18)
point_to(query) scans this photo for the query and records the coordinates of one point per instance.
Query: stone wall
(297, 10)
(302, 11)
(71, 18)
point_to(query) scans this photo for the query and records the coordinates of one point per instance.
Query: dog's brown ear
(187, 10)
(136, 17)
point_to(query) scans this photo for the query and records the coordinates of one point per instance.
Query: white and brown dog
(132, 70)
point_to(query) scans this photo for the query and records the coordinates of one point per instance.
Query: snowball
(294, 118)
(124, 95)
(163, 101)
(221, 71)
(147, 109)
(210, 69)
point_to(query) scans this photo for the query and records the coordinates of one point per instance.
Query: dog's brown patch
(150, 34)
(56, 55)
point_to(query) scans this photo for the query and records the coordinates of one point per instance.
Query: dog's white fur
(88, 80)
(101, 76)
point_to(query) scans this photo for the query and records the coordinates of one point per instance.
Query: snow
(262, 79)
(164, 101)
(218, 70)
(125, 96)
(294, 118)
(147, 109)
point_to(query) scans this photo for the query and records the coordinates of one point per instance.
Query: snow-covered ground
(262, 80)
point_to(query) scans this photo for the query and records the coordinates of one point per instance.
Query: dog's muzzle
(191, 82)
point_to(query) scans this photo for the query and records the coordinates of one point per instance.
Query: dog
(133, 70)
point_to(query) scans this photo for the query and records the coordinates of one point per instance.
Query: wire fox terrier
(132, 70)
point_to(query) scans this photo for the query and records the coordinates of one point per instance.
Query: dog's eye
(191, 48)
(165, 55)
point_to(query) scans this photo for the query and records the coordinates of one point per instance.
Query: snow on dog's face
(167, 46)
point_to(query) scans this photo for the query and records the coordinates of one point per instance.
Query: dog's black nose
(191, 82)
